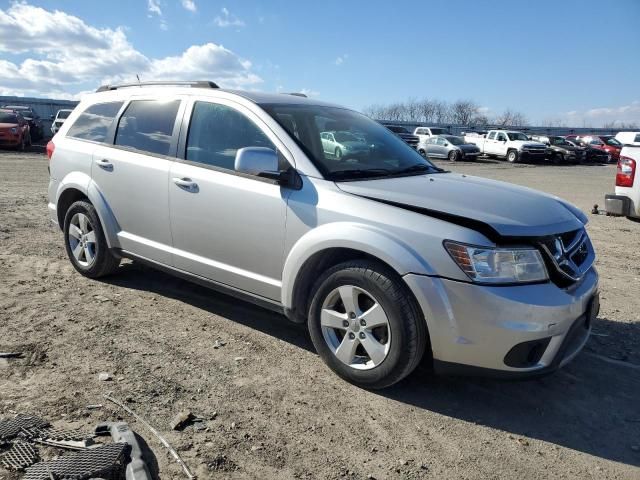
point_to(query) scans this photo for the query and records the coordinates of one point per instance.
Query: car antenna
(138, 77)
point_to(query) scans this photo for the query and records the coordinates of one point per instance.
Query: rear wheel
(85, 242)
(365, 324)
(512, 156)
(453, 156)
(557, 158)
(422, 152)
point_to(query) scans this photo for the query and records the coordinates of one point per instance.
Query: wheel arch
(77, 187)
(330, 245)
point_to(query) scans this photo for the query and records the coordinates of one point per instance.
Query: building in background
(45, 107)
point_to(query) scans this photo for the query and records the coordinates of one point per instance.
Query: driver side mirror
(263, 162)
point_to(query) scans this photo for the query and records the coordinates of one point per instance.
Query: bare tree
(426, 109)
(511, 118)
(464, 111)
(441, 111)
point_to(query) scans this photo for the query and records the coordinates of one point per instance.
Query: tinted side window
(147, 125)
(492, 135)
(93, 124)
(216, 132)
(637, 139)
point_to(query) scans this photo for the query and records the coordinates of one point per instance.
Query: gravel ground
(272, 409)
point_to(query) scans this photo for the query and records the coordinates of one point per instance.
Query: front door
(227, 227)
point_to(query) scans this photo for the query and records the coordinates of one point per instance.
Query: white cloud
(153, 6)
(341, 59)
(629, 113)
(227, 19)
(63, 55)
(189, 5)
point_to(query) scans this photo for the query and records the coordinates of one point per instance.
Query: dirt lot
(273, 409)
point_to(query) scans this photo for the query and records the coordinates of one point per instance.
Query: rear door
(227, 226)
(133, 174)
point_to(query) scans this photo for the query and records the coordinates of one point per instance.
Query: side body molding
(365, 238)
(83, 183)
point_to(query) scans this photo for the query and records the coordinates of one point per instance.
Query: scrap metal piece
(172, 451)
(120, 432)
(10, 354)
(105, 462)
(71, 439)
(11, 427)
(20, 456)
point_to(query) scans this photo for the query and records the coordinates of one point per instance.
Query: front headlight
(498, 265)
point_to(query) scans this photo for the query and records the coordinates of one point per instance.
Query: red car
(606, 143)
(14, 130)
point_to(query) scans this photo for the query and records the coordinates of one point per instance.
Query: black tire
(512, 156)
(338, 153)
(557, 159)
(422, 152)
(104, 262)
(29, 143)
(409, 337)
(453, 156)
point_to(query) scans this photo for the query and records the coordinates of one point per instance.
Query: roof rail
(192, 84)
(296, 94)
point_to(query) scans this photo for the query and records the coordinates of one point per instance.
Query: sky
(564, 60)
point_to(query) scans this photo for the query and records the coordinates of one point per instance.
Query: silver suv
(386, 257)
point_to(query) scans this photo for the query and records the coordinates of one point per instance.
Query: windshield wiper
(419, 167)
(359, 173)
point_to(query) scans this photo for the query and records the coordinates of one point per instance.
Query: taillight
(50, 148)
(626, 172)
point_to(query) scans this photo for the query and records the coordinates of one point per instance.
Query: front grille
(569, 254)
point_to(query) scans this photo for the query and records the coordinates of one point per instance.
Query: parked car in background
(14, 130)
(58, 120)
(612, 146)
(512, 145)
(450, 147)
(596, 142)
(388, 259)
(592, 154)
(409, 138)
(423, 133)
(560, 150)
(35, 123)
(626, 200)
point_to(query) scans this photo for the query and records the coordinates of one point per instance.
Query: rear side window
(93, 124)
(637, 140)
(147, 125)
(216, 132)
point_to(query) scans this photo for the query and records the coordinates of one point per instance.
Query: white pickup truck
(512, 145)
(626, 200)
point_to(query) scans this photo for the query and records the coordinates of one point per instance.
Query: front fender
(364, 238)
(83, 183)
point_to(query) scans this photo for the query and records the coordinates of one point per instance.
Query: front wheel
(423, 153)
(365, 324)
(338, 153)
(85, 242)
(512, 156)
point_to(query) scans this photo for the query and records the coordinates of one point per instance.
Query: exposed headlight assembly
(498, 265)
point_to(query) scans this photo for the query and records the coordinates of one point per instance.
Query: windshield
(517, 136)
(612, 142)
(397, 129)
(62, 114)
(8, 117)
(560, 141)
(384, 154)
(438, 131)
(454, 140)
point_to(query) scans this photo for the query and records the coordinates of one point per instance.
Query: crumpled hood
(509, 210)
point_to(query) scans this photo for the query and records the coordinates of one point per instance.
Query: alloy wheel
(355, 327)
(82, 239)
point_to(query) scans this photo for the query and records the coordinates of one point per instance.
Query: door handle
(105, 164)
(186, 183)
